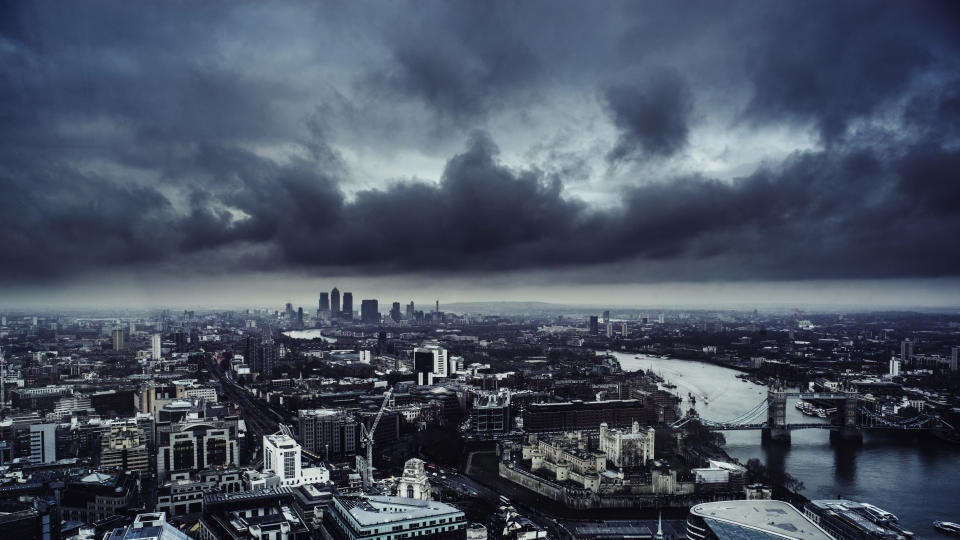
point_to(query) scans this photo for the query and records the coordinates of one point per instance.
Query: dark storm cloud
(186, 140)
(651, 113)
(833, 63)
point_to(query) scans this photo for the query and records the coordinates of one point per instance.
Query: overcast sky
(191, 152)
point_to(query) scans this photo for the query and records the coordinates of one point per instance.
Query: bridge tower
(776, 429)
(850, 426)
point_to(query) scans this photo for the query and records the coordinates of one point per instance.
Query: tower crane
(366, 439)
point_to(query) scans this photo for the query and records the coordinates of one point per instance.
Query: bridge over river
(854, 414)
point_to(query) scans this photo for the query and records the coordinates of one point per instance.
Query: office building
(369, 312)
(906, 352)
(953, 359)
(328, 433)
(609, 329)
(377, 516)
(411, 312)
(335, 303)
(43, 443)
(436, 356)
(98, 495)
(594, 326)
(282, 465)
(754, 519)
(491, 412)
(155, 350)
(606, 316)
(623, 330)
(577, 415)
(395, 312)
(323, 310)
(117, 339)
(151, 526)
(180, 339)
(300, 318)
(124, 447)
(196, 445)
(347, 311)
(894, 367)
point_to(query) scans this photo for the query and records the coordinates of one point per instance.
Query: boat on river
(948, 526)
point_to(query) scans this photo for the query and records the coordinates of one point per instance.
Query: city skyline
(153, 151)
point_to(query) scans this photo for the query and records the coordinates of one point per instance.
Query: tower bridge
(770, 417)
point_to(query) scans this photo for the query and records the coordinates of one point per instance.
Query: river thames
(909, 474)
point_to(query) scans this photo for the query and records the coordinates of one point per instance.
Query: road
(468, 488)
(260, 418)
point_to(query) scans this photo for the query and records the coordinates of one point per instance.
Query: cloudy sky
(184, 152)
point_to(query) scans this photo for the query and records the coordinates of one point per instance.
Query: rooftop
(775, 518)
(376, 510)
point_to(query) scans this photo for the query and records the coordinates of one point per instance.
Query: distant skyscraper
(894, 369)
(395, 312)
(251, 353)
(606, 316)
(623, 330)
(906, 352)
(324, 303)
(335, 303)
(155, 351)
(953, 359)
(594, 325)
(609, 329)
(411, 312)
(347, 311)
(181, 341)
(117, 339)
(369, 311)
(300, 317)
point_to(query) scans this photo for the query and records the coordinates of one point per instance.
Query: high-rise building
(43, 443)
(181, 341)
(953, 359)
(155, 352)
(300, 318)
(324, 307)
(267, 355)
(411, 312)
(281, 457)
(609, 329)
(347, 311)
(433, 355)
(335, 303)
(251, 353)
(328, 432)
(369, 312)
(623, 330)
(118, 339)
(894, 368)
(395, 312)
(606, 316)
(594, 325)
(906, 352)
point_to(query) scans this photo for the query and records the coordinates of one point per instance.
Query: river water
(909, 474)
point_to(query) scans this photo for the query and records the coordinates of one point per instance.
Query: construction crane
(366, 439)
